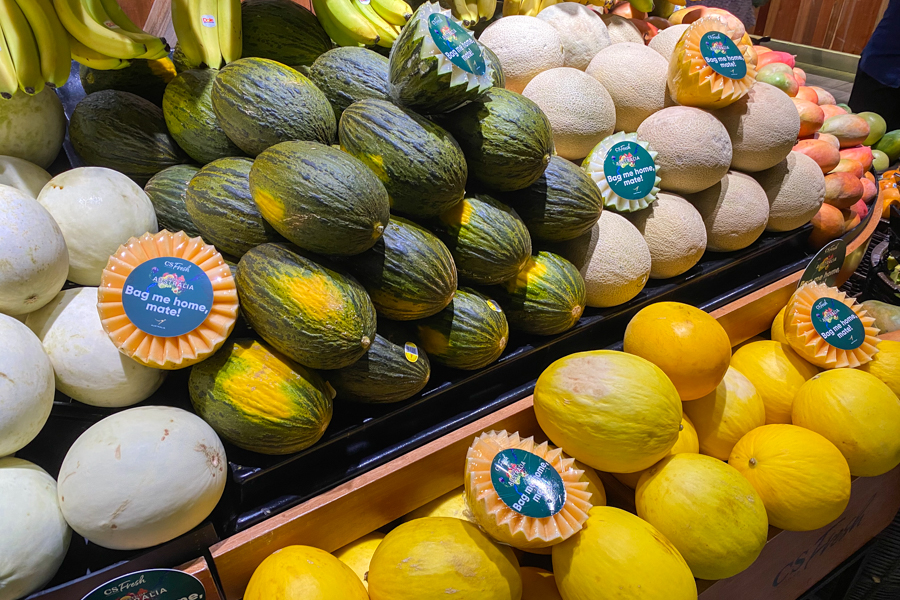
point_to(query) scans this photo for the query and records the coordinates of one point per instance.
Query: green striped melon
(260, 400)
(305, 308)
(320, 198)
(181, 61)
(409, 273)
(546, 297)
(219, 202)
(388, 372)
(488, 240)
(167, 191)
(347, 75)
(469, 334)
(124, 132)
(187, 107)
(421, 165)
(506, 139)
(283, 31)
(260, 103)
(146, 78)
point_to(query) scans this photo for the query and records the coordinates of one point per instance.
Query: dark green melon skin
(123, 132)
(167, 190)
(348, 75)
(498, 80)
(488, 240)
(320, 198)
(506, 139)
(187, 107)
(219, 202)
(409, 273)
(546, 298)
(561, 205)
(145, 78)
(420, 164)
(283, 31)
(470, 333)
(283, 296)
(260, 103)
(384, 374)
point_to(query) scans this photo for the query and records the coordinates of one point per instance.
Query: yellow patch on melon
(313, 294)
(687, 442)
(434, 340)
(459, 215)
(302, 571)
(270, 207)
(531, 270)
(777, 372)
(260, 399)
(375, 162)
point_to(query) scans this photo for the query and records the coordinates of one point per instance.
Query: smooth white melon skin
(26, 386)
(35, 535)
(582, 31)
(32, 127)
(142, 477)
(98, 210)
(580, 110)
(24, 176)
(795, 188)
(613, 259)
(693, 148)
(525, 46)
(763, 126)
(88, 366)
(622, 30)
(34, 260)
(664, 42)
(735, 212)
(674, 232)
(635, 77)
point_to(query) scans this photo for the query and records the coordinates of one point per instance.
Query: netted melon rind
(593, 166)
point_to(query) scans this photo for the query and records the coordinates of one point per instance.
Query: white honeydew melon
(735, 212)
(26, 387)
(23, 175)
(34, 260)
(622, 29)
(35, 537)
(88, 366)
(98, 210)
(525, 47)
(674, 232)
(32, 127)
(796, 190)
(664, 42)
(141, 477)
(582, 31)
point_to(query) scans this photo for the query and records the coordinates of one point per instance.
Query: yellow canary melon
(595, 485)
(711, 66)
(452, 504)
(422, 559)
(524, 494)
(302, 572)
(687, 442)
(803, 480)
(617, 555)
(777, 331)
(708, 510)
(690, 346)
(777, 372)
(828, 328)
(538, 584)
(858, 413)
(358, 554)
(664, 42)
(611, 410)
(886, 365)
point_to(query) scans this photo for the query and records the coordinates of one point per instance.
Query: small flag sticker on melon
(524, 494)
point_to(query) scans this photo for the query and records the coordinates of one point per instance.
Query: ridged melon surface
(347, 75)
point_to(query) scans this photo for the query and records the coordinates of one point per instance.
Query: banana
(187, 31)
(337, 34)
(22, 46)
(385, 30)
(511, 7)
(52, 45)
(345, 16)
(460, 10)
(546, 3)
(486, 9)
(93, 59)
(156, 47)
(118, 16)
(112, 43)
(395, 12)
(229, 26)
(207, 13)
(530, 8)
(9, 83)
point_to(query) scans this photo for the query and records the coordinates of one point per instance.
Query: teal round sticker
(167, 297)
(527, 483)
(630, 171)
(158, 584)
(837, 324)
(723, 55)
(456, 43)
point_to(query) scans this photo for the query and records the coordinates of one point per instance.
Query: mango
(877, 127)
(862, 154)
(811, 116)
(850, 130)
(860, 208)
(825, 96)
(887, 316)
(851, 219)
(890, 145)
(831, 110)
(773, 57)
(870, 190)
(827, 137)
(828, 224)
(825, 155)
(783, 80)
(800, 75)
(849, 165)
(842, 190)
(880, 160)
(807, 93)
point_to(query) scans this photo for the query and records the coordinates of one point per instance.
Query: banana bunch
(209, 31)
(471, 13)
(533, 7)
(35, 50)
(362, 22)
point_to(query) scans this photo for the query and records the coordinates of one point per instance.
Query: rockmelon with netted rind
(525, 46)
(166, 300)
(828, 328)
(674, 232)
(629, 154)
(524, 494)
(665, 41)
(694, 81)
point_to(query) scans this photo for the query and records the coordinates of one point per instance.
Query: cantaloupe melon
(24, 176)
(622, 30)
(524, 494)
(635, 77)
(693, 148)
(664, 41)
(581, 30)
(613, 259)
(525, 46)
(795, 188)
(675, 234)
(580, 110)
(735, 211)
(763, 127)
